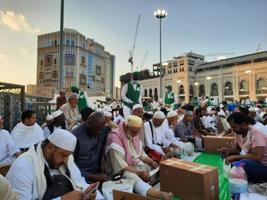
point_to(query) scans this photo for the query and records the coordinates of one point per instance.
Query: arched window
(191, 90)
(243, 87)
(202, 92)
(156, 94)
(150, 93)
(228, 88)
(214, 90)
(145, 92)
(261, 86)
(181, 89)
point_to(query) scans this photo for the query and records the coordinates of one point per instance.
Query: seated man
(91, 137)
(27, 132)
(47, 171)
(6, 192)
(8, 149)
(155, 138)
(124, 152)
(108, 120)
(58, 123)
(250, 148)
(198, 124)
(185, 128)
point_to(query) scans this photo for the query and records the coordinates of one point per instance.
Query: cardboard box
(118, 195)
(213, 143)
(188, 180)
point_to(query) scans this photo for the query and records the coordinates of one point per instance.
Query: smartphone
(93, 189)
(117, 176)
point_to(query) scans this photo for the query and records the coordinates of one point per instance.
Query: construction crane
(258, 47)
(130, 60)
(143, 61)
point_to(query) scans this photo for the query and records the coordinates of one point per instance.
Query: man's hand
(144, 176)
(73, 195)
(230, 159)
(99, 177)
(225, 151)
(154, 164)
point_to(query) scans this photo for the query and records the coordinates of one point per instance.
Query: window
(191, 90)
(42, 62)
(68, 42)
(181, 89)
(82, 79)
(150, 93)
(175, 64)
(145, 92)
(261, 86)
(72, 42)
(55, 42)
(48, 60)
(83, 60)
(181, 62)
(228, 89)
(156, 96)
(243, 87)
(214, 90)
(55, 61)
(98, 70)
(202, 92)
(69, 59)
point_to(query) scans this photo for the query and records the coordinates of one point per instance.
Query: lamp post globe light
(160, 14)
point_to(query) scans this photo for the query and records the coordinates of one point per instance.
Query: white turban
(136, 106)
(159, 115)
(49, 118)
(172, 113)
(63, 139)
(56, 114)
(107, 114)
(134, 121)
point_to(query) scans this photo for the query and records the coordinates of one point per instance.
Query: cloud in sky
(17, 22)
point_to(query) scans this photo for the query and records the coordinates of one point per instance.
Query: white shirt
(26, 136)
(158, 139)
(124, 92)
(8, 148)
(259, 126)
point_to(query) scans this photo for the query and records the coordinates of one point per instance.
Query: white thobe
(8, 147)
(26, 136)
(259, 126)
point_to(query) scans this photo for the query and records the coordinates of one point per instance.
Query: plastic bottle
(238, 182)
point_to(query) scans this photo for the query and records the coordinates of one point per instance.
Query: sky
(227, 27)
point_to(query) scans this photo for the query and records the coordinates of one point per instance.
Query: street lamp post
(160, 14)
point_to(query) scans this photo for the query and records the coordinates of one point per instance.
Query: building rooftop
(239, 60)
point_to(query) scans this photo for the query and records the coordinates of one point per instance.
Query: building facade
(86, 63)
(231, 79)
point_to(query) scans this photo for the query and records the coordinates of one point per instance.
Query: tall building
(86, 63)
(190, 75)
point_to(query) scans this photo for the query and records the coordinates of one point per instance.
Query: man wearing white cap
(8, 149)
(138, 111)
(27, 132)
(58, 123)
(124, 152)
(155, 137)
(47, 171)
(70, 110)
(108, 120)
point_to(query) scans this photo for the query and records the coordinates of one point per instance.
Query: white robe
(8, 148)
(26, 136)
(26, 175)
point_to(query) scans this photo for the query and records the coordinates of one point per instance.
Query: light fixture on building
(248, 71)
(208, 77)
(242, 90)
(179, 81)
(226, 88)
(196, 83)
(160, 13)
(165, 64)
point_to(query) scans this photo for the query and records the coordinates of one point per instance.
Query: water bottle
(238, 182)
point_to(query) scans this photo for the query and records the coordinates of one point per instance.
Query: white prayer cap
(190, 113)
(160, 101)
(136, 106)
(63, 139)
(134, 121)
(49, 118)
(73, 96)
(172, 113)
(159, 115)
(107, 114)
(252, 109)
(99, 110)
(56, 113)
(209, 110)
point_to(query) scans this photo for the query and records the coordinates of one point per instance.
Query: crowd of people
(74, 149)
